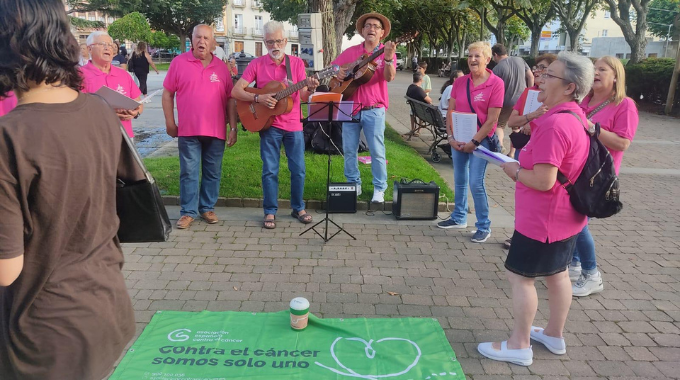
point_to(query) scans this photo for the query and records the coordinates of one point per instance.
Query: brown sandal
(269, 224)
(305, 218)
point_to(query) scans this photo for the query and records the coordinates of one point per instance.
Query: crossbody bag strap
(479, 124)
(598, 109)
(566, 183)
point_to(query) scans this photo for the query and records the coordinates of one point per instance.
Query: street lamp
(668, 36)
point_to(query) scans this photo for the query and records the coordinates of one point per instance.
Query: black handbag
(143, 218)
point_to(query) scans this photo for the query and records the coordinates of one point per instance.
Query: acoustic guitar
(256, 117)
(361, 71)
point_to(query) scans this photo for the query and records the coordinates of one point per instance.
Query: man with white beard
(286, 129)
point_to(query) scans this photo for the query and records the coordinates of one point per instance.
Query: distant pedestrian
(233, 69)
(414, 63)
(427, 82)
(446, 92)
(140, 61)
(202, 85)
(516, 75)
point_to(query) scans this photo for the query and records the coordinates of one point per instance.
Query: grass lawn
(162, 66)
(242, 170)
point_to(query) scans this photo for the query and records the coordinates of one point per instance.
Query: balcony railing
(238, 31)
(257, 32)
(293, 34)
(256, 4)
(238, 3)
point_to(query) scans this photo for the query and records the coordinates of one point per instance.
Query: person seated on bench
(416, 92)
(446, 92)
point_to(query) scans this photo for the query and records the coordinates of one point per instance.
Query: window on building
(219, 24)
(238, 23)
(258, 49)
(607, 14)
(110, 19)
(258, 23)
(619, 55)
(90, 18)
(100, 19)
(651, 55)
(238, 46)
(604, 32)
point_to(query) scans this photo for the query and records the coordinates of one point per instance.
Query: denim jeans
(195, 153)
(270, 152)
(585, 250)
(373, 124)
(468, 168)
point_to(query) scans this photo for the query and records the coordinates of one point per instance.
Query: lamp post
(668, 36)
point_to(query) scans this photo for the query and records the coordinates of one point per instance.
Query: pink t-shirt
(373, 92)
(621, 119)
(202, 95)
(117, 79)
(263, 70)
(7, 103)
(487, 95)
(560, 140)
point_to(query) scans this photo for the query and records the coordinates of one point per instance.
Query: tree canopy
(133, 27)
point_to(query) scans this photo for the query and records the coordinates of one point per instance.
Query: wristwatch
(389, 60)
(475, 142)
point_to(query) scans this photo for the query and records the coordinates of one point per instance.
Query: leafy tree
(535, 17)
(179, 17)
(164, 41)
(659, 20)
(635, 35)
(81, 23)
(495, 15)
(133, 27)
(573, 15)
(110, 7)
(515, 31)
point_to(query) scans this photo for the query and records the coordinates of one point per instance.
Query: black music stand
(328, 112)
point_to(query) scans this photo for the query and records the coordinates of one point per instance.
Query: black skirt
(532, 258)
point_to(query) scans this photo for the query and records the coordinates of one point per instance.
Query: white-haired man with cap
(374, 101)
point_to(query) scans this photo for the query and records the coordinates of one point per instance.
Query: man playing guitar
(374, 101)
(286, 128)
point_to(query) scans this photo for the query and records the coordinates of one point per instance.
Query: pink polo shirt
(560, 140)
(487, 95)
(621, 119)
(373, 92)
(263, 70)
(7, 103)
(117, 79)
(202, 95)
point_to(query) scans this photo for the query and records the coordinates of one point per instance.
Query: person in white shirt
(446, 92)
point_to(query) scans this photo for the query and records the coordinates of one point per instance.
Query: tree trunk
(182, 41)
(573, 40)
(343, 11)
(481, 24)
(330, 46)
(535, 41)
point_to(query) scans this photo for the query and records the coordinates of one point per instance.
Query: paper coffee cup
(299, 313)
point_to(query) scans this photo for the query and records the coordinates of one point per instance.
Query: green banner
(261, 346)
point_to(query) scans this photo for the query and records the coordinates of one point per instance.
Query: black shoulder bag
(494, 144)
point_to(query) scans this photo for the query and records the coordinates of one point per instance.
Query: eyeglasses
(546, 76)
(373, 26)
(104, 45)
(274, 42)
(539, 68)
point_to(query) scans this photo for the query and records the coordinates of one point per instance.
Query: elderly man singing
(99, 72)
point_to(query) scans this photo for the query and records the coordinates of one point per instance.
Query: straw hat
(387, 26)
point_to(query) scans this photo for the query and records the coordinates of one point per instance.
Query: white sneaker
(574, 271)
(378, 197)
(358, 189)
(587, 285)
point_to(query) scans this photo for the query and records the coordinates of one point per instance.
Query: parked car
(237, 55)
(163, 54)
(400, 61)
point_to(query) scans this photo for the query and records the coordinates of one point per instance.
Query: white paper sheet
(464, 126)
(492, 157)
(532, 103)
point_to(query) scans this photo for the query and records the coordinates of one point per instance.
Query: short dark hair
(417, 77)
(36, 44)
(423, 64)
(499, 49)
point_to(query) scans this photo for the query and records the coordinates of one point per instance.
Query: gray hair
(272, 27)
(193, 31)
(579, 71)
(93, 35)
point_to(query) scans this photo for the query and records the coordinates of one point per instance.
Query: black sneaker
(449, 223)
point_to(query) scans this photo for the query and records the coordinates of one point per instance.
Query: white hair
(193, 31)
(95, 34)
(578, 70)
(272, 27)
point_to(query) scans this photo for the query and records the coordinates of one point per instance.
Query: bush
(649, 80)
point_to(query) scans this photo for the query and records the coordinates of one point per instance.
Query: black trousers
(142, 80)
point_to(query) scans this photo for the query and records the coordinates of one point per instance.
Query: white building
(241, 28)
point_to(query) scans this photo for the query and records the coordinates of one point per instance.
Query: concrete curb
(173, 200)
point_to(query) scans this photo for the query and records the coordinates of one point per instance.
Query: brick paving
(629, 331)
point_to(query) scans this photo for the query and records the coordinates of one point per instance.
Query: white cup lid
(299, 303)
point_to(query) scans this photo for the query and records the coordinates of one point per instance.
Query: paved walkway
(629, 331)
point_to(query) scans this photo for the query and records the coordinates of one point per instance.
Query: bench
(428, 117)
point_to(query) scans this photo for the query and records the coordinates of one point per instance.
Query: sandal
(305, 218)
(269, 224)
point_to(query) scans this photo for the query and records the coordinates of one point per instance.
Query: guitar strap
(290, 76)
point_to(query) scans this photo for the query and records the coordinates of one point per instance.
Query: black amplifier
(415, 200)
(342, 197)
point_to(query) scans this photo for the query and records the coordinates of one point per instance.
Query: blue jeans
(468, 168)
(585, 250)
(373, 124)
(196, 152)
(270, 152)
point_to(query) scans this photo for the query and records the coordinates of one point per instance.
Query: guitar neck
(291, 89)
(364, 62)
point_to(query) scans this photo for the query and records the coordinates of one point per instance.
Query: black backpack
(595, 192)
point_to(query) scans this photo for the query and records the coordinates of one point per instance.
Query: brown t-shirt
(68, 315)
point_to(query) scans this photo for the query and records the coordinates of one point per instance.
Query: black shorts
(532, 258)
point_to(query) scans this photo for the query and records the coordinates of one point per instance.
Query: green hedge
(648, 81)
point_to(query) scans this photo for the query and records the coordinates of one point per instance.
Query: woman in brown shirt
(64, 310)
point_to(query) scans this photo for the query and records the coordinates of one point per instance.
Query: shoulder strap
(479, 123)
(290, 76)
(598, 109)
(560, 176)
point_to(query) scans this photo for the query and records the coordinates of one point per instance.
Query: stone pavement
(629, 331)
